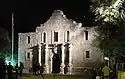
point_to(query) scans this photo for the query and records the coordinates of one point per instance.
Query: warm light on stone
(78, 45)
(40, 54)
(46, 60)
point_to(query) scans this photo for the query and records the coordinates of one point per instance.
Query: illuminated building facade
(57, 43)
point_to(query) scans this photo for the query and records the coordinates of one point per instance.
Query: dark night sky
(29, 14)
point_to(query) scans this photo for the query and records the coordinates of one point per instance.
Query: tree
(5, 42)
(109, 19)
(108, 10)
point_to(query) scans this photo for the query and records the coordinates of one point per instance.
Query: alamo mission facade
(57, 43)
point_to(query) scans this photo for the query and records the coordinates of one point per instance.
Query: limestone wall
(80, 46)
(59, 23)
(24, 47)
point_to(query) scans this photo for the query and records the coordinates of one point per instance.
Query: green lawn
(56, 77)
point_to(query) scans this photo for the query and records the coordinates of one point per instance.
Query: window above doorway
(28, 39)
(55, 36)
(86, 35)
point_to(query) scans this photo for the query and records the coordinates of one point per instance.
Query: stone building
(57, 43)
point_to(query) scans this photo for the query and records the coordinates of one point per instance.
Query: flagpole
(12, 34)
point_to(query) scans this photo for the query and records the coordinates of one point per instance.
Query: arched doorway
(55, 63)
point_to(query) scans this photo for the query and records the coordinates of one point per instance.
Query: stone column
(40, 54)
(46, 59)
(51, 60)
(70, 59)
(63, 58)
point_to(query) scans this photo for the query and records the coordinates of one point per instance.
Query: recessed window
(28, 39)
(44, 40)
(41, 36)
(28, 55)
(67, 36)
(86, 35)
(87, 54)
(55, 36)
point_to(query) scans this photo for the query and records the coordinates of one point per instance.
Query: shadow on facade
(55, 64)
(56, 58)
(35, 58)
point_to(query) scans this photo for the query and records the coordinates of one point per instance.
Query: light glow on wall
(78, 44)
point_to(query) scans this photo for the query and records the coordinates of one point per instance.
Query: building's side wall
(24, 48)
(80, 46)
(21, 48)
